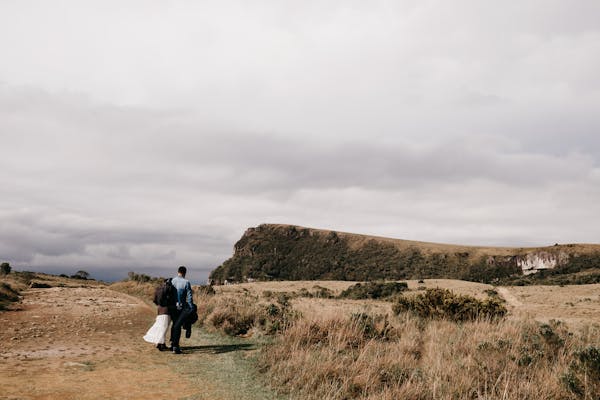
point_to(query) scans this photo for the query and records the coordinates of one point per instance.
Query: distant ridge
(290, 252)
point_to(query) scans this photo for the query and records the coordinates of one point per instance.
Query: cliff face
(286, 252)
(541, 260)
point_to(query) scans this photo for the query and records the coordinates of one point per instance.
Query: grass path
(221, 367)
(510, 298)
(214, 366)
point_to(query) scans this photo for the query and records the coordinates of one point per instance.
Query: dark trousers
(179, 317)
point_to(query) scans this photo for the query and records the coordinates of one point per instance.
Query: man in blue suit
(183, 308)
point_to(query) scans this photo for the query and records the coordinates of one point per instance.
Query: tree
(5, 268)
(81, 275)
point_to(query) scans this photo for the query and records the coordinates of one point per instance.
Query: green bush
(277, 317)
(84, 275)
(589, 359)
(238, 316)
(141, 278)
(233, 322)
(372, 326)
(583, 376)
(5, 268)
(444, 304)
(374, 290)
(319, 292)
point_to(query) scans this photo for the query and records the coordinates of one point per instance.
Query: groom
(183, 307)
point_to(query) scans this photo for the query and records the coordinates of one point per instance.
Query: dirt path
(510, 298)
(86, 343)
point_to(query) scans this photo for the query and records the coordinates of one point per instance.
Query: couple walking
(174, 303)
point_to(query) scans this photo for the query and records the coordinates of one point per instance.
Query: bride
(164, 296)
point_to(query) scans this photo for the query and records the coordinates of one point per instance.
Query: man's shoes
(176, 350)
(161, 347)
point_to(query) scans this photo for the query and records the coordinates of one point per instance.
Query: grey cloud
(218, 159)
(161, 139)
(31, 236)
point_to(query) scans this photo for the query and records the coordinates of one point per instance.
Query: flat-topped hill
(288, 252)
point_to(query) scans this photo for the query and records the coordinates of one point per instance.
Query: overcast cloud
(141, 135)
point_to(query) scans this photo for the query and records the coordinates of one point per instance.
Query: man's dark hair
(182, 270)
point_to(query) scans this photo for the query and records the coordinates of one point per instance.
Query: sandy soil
(82, 343)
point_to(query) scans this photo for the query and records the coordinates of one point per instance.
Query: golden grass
(575, 304)
(332, 359)
(323, 309)
(327, 355)
(462, 287)
(143, 290)
(258, 288)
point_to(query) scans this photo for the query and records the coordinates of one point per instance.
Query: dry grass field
(575, 305)
(547, 347)
(313, 344)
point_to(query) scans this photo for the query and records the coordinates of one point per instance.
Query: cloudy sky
(142, 135)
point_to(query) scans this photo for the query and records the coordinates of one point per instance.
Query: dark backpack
(166, 294)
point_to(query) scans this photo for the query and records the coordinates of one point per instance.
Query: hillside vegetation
(286, 252)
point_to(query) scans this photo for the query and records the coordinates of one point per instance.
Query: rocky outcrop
(541, 260)
(287, 252)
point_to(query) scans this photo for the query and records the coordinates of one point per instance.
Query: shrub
(278, 318)
(39, 285)
(7, 295)
(233, 321)
(239, 315)
(443, 303)
(142, 278)
(374, 290)
(25, 277)
(372, 326)
(583, 376)
(319, 292)
(322, 292)
(5, 268)
(572, 382)
(81, 275)
(589, 359)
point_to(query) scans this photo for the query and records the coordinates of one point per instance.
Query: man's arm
(188, 298)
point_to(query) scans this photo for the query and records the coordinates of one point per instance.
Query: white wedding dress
(156, 333)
